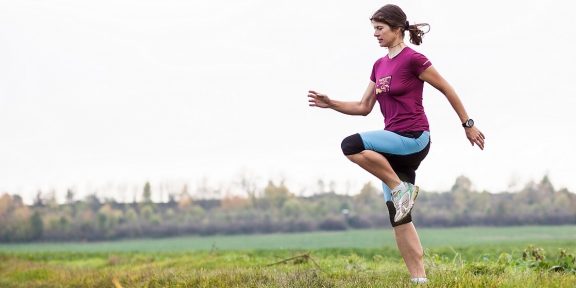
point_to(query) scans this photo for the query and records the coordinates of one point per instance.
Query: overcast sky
(96, 93)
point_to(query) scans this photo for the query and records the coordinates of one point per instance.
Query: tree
(546, 186)
(5, 206)
(38, 201)
(368, 195)
(93, 202)
(185, 199)
(37, 226)
(69, 196)
(17, 201)
(275, 196)
(321, 186)
(171, 199)
(50, 199)
(248, 186)
(462, 185)
(147, 194)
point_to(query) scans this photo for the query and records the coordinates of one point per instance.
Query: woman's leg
(366, 148)
(377, 165)
(405, 233)
(410, 248)
(359, 149)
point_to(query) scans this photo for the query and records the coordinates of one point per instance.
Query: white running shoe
(403, 199)
(419, 280)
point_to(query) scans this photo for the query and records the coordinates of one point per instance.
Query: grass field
(374, 238)
(455, 257)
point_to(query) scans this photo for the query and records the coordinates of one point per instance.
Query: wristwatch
(468, 123)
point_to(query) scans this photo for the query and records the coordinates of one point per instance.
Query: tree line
(274, 209)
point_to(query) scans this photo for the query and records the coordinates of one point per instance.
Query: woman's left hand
(475, 136)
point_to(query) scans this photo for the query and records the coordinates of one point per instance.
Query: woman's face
(385, 35)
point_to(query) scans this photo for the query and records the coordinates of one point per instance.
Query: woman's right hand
(475, 136)
(316, 99)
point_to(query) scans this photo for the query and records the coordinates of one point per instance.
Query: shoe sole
(416, 190)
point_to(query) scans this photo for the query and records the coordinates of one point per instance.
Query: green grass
(374, 238)
(335, 268)
(462, 257)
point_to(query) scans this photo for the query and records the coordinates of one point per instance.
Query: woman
(394, 154)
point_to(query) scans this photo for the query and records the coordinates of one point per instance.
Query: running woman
(394, 153)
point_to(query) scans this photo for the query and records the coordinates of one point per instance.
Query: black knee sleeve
(352, 144)
(392, 212)
(406, 175)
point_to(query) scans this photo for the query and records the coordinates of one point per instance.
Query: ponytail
(417, 31)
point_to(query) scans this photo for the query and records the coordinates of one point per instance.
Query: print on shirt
(383, 84)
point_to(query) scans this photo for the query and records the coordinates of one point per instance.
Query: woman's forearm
(457, 104)
(349, 108)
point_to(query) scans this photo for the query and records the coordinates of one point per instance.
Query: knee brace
(352, 144)
(392, 212)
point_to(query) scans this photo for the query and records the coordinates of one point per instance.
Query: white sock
(419, 280)
(399, 187)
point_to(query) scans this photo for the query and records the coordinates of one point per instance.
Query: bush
(333, 224)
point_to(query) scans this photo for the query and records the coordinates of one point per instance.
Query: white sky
(115, 93)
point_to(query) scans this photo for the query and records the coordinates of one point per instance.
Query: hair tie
(407, 26)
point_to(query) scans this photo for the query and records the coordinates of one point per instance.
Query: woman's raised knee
(352, 144)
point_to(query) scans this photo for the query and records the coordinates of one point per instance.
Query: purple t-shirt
(399, 90)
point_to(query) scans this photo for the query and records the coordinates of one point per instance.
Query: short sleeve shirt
(399, 90)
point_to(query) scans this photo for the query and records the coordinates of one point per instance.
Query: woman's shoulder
(417, 61)
(379, 60)
(412, 53)
(415, 58)
(415, 54)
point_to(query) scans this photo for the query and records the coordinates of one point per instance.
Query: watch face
(470, 123)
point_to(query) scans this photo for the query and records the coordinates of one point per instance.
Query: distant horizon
(162, 189)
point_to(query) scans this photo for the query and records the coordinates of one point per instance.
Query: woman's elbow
(364, 112)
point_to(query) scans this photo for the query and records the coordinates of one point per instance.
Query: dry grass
(320, 268)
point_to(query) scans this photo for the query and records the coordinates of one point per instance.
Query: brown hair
(394, 17)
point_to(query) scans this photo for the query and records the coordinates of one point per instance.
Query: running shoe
(403, 200)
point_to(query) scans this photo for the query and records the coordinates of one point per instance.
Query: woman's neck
(395, 49)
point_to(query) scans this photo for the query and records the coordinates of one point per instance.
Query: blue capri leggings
(404, 151)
